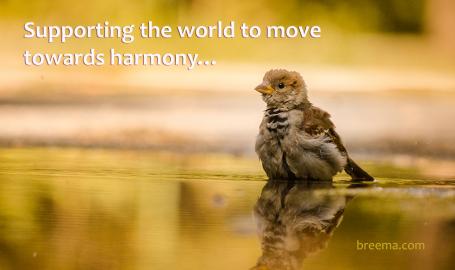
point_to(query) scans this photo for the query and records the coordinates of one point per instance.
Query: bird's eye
(281, 85)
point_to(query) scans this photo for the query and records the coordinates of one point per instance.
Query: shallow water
(119, 209)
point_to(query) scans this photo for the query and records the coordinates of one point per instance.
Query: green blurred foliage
(370, 15)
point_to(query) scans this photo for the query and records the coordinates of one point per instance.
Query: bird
(296, 139)
(295, 219)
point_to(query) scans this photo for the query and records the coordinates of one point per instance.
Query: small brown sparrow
(296, 139)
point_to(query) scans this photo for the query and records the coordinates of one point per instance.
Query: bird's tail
(357, 173)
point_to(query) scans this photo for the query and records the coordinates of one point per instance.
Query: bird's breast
(277, 122)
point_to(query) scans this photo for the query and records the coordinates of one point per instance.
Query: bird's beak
(264, 89)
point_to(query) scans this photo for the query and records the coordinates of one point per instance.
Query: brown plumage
(296, 139)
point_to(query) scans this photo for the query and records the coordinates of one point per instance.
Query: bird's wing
(317, 121)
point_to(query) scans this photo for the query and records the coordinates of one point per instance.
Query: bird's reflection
(295, 219)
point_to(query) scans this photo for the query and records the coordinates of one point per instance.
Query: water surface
(119, 209)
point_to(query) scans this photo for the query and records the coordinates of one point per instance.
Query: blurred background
(383, 69)
(154, 167)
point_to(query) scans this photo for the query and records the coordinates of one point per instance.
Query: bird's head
(282, 88)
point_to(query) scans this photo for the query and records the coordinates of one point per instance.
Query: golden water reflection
(90, 209)
(293, 222)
